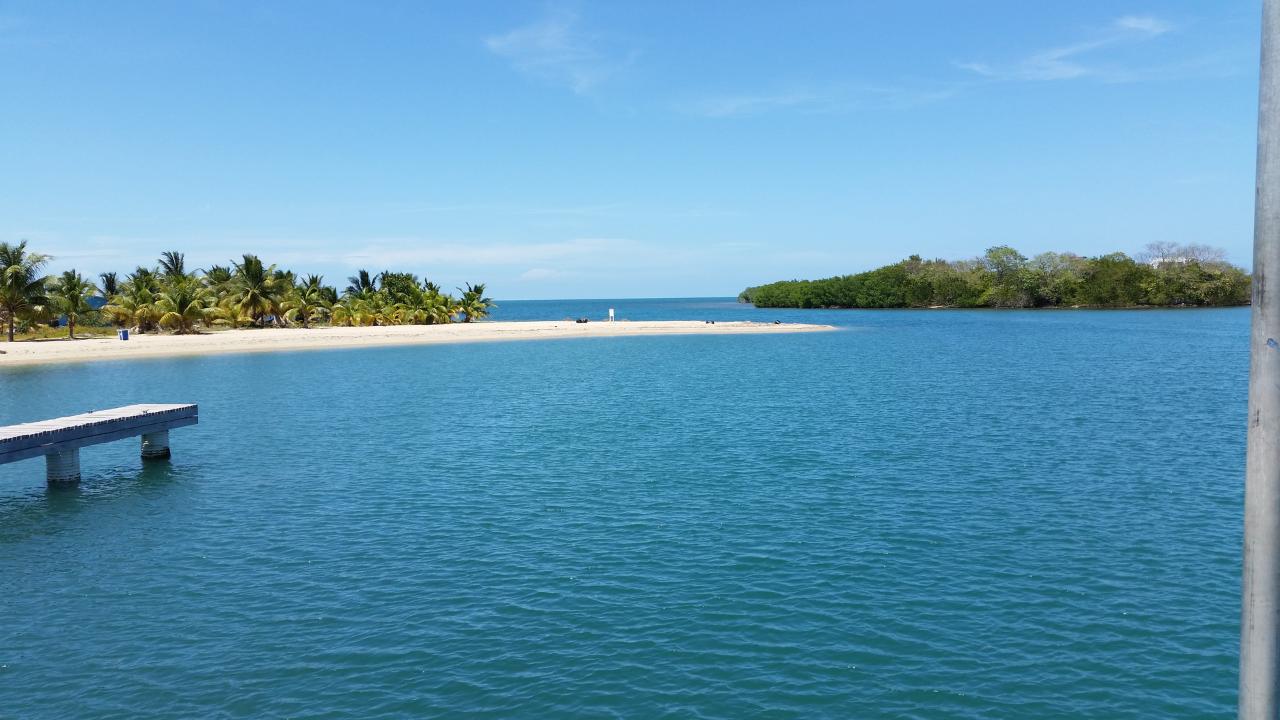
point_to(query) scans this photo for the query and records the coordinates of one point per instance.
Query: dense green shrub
(1173, 276)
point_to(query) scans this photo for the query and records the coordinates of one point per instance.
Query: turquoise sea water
(941, 514)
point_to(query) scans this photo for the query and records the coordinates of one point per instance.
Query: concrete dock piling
(155, 446)
(63, 467)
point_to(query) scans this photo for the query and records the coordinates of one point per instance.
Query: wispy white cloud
(746, 104)
(556, 49)
(535, 213)
(980, 68)
(541, 274)
(440, 258)
(583, 267)
(829, 100)
(1144, 24)
(1079, 59)
(502, 209)
(1061, 63)
(416, 252)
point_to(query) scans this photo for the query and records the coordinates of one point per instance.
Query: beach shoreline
(241, 341)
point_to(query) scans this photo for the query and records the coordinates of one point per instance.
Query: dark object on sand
(777, 322)
(582, 320)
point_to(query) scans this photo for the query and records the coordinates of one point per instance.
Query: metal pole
(1260, 601)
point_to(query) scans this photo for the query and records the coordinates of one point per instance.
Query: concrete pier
(59, 440)
(62, 467)
(155, 446)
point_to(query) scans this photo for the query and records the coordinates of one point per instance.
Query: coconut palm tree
(443, 309)
(351, 311)
(69, 294)
(218, 279)
(144, 278)
(135, 304)
(362, 284)
(307, 301)
(414, 308)
(182, 304)
(139, 295)
(474, 305)
(380, 310)
(22, 287)
(284, 279)
(108, 284)
(173, 264)
(217, 275)
(439, 308)
(252, 292)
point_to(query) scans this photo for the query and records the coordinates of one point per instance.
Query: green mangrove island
(1163, 275)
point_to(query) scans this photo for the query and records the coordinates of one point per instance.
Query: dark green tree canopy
(1165, 274)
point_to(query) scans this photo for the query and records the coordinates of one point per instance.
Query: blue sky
(622, 149)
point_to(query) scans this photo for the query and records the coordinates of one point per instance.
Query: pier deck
(60, 439)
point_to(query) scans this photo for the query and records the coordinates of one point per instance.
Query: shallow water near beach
(924, 514)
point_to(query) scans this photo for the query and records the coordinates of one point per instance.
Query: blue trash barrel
(123, 333)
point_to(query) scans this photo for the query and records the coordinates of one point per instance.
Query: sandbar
(219, 342)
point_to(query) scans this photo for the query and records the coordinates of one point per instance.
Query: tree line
(247, 293)
(1164, 275)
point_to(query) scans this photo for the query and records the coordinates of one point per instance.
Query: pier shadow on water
(37, 508)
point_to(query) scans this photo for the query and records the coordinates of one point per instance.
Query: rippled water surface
(925, 514)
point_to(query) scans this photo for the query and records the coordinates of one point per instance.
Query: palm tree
(22, 287)
(217, 275)
(415, 308)
(439, 309)
(182, 304)
(307, 301)
(351, 311)
(443, 308)
(362, 284)
(109, 285)
(218, 279)
(173, 264)
(135, 304)
(379, 309)
(144, 278)
(140, 289)
(70, 295)
(474, 305)
(253, 293)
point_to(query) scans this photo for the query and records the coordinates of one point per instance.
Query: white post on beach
(610, 314)
(1260, 596)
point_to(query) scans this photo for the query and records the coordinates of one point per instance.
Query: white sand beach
(41, 352)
